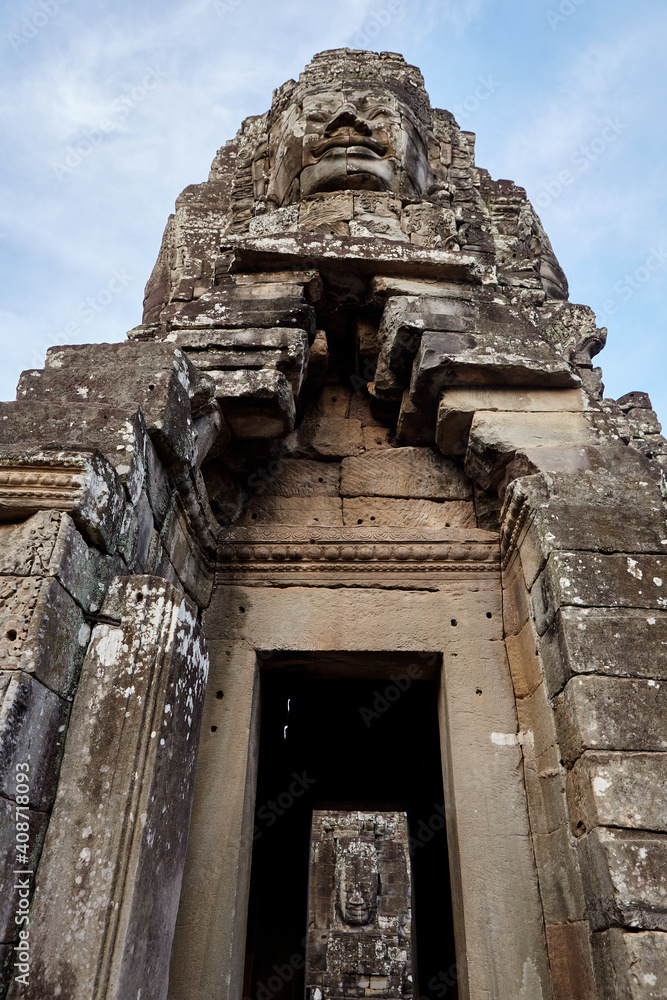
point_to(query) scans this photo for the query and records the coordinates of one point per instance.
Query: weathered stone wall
(98, 480)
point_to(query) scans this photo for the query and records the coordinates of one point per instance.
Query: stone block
(544, 774)
(212, 436)
(318, 362)
(119, 434)
(27, 548)
(447, 359)
(611, 713)
(267, 305)
(376, 437)
(382, 287)
(631, 965)
(256, 404)
(459, 404)
(545, 788)
(643, 421)
(634, 400)
(653, 446)
(591, 579)
(138, 527)
(82, 483)
(361, 256)
(387, 386)
(403, 472)
(494, 398)
(185, 555)
(516, 608)
(309, 280)
(275, 347)
(158, 488)
(586, 511)
(559, 877)
(524, 661)
(326, 438)
(623, 874)
(404, 319)
(544, 440)
(48, 544)
(415, 427)
(430, 225)
(626, 790)
(153, 375)
(621, 642)
(384, 512)
(113, 856)
(42, 631)
(367, 337)
(267, 509)
(571, 961)
(11, 863)
(304, 478)
(335, 401)
(33, 721)
(83, 571)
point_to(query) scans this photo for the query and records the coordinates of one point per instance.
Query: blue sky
(572, 107)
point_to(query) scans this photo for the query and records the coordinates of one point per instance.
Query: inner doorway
(358, 731)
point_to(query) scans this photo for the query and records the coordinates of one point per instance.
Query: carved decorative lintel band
(395, 550)
(51, 485)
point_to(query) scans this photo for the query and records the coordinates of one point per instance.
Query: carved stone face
(348, 138)
(357, 883)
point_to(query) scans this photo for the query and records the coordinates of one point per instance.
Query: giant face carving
(356, 882)
(348, 138)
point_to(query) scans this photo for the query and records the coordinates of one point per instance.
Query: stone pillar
(107, 890)
(209, 944)
(585, 630)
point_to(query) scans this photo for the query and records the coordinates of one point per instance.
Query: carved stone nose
(347, 117)
(355, 898)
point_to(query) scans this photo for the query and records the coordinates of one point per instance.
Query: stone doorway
(345, 732)
(359, 626)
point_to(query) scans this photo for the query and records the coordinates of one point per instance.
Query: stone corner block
(623, 874)
(82, 483)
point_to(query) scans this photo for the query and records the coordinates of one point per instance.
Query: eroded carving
(360, 910)
(348, 139)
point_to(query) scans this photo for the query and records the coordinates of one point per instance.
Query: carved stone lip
(349, 142)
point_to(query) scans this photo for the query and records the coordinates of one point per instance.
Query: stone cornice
(367, 255)
(50, 487)
(353, 550)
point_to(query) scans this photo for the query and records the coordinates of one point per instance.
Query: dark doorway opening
(359, 732)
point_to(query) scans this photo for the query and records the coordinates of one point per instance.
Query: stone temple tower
(334, 599)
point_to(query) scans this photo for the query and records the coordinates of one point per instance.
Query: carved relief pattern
(353, 550)
(51, 486)
(27, 549)
(18, 599)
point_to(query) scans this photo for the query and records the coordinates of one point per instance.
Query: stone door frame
(448, 602)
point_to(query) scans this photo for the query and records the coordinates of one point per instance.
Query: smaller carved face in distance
(348, 140)
(356, 883)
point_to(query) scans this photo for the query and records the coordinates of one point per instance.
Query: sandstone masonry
(360, 417)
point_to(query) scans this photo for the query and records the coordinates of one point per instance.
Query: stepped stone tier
(360, 425)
